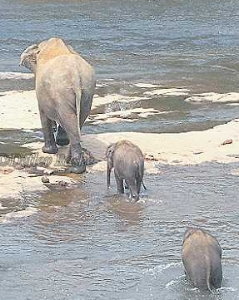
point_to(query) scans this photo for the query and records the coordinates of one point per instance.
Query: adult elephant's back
(68, 82)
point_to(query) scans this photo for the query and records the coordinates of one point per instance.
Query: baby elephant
(201, 255)
(128, 163)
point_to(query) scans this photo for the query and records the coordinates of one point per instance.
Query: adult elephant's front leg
(76, 157)
(47, 128)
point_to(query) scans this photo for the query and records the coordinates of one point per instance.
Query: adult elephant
(65, 85)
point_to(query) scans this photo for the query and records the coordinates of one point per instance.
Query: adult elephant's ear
(72, 50)
(29, 57)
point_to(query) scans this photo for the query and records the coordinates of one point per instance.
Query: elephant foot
(87, 156)
(134, 198)
(78, 163)
(49, 149)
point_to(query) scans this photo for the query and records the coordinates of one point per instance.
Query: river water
(85, 242)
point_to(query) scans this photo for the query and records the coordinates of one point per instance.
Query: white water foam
(168, 92)
(98, 101)
(174, 281)
(160, 268)
(214, 98)
(124, 115)
(15, 75)
(19, 214)
(2, 207)
(145, 85)
(228, 289)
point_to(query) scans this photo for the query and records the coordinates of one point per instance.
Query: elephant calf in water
(65, 85)
(128, 163)
(201, 255)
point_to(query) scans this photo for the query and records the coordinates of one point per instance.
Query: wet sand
(220, 144)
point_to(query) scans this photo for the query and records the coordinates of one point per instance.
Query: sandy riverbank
(19, 111)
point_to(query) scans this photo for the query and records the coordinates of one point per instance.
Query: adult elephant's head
(44, 51)
(29, 57)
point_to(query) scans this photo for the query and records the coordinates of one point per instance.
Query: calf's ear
(109, 150)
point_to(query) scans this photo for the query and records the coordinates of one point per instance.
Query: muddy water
(88, 243)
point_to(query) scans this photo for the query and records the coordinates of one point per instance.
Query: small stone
(198, 152)
(176, 161)
(6, 170)
(45, 179)
(62, 183)
(150, 157)
(227, 142)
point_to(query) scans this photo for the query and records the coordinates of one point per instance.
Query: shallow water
(87, 243)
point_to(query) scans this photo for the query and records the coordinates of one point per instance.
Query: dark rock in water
(227, 142)
(45, 179)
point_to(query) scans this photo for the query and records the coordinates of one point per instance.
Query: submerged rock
(45, 179)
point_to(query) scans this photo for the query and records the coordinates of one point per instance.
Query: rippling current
(184, 42)
(87, 243)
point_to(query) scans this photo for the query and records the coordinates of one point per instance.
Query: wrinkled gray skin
(201, 257)
(128, 163)
(65, 85)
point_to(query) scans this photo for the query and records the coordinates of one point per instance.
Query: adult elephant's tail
(78, 93)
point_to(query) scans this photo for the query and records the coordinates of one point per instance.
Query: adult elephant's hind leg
(120, 184)
(61, 137)
(138, 182)
(85, 107)
(47, 128)
(76, 158)
(133, 187)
